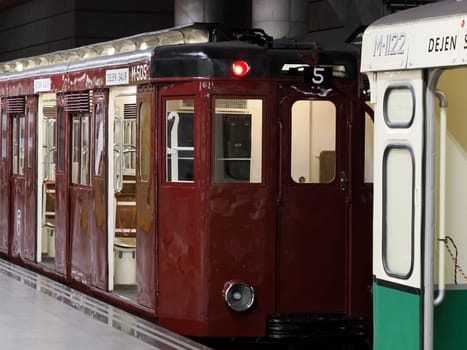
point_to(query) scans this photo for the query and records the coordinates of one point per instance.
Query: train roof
(216, 59)
(433, 35)
(199, 50)
(111, 52)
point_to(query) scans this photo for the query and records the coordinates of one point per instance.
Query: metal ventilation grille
(129, 110)
(15, 105)
(78, 102)
(49, 111)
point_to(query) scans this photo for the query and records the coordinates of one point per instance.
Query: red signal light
(240, 68)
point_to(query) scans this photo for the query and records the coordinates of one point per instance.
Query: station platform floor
(37, 313)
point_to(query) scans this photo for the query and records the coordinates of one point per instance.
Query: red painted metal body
(305, 248)
(5, 171)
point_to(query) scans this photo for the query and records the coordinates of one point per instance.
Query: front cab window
(238, 140)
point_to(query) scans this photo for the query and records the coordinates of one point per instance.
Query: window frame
(384, 255)
(212, 155)
(164, 104)
(18, 135)
(80, 116)
(387, 119)
(335, 104)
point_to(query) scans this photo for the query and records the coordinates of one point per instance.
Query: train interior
(122, 200)
(46, 180)
(452, 84)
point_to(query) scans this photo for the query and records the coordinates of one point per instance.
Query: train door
(62, 179)
(23, 112)
(399, 292)
(78, 114)
(5, 172)
(312, 203)
(122, 198)
(30, 173)
(46, 151)
(146, 257)
(98, 213)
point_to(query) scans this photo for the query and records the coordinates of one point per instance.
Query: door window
(80, 149)
(313, 158)
(4, 135)
(18, 143)
(238, 140)
(180, 140)
(31, 119)
(145, 140)
(61, 139)
(100, 140)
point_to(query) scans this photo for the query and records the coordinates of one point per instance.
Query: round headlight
(238, 295)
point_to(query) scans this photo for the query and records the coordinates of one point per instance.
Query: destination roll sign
(435, 43)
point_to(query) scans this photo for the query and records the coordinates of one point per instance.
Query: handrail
(442, 197)
(118, 149)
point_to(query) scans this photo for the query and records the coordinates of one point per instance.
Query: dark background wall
(32, 27)
(38, 26)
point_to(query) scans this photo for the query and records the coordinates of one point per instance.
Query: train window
(145, 140)
(313, 158)
(61, 139)
(84, 166)
(21, 145)
(238, 140)
(14, 145)
(99, 138)
(17, 130)
(399, 106)
(179, 141)
(398, 202)
(31, 119)
(80, 149)
(4, 135)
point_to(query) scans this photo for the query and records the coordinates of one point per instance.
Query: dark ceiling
(7, 3)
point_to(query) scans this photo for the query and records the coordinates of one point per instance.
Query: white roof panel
(433, 35)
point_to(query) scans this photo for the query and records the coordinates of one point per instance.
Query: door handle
(342, 181)
(442, 196)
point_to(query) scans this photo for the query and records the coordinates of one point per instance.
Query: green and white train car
(416, 61)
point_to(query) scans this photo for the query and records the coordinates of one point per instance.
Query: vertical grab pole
(442, 196)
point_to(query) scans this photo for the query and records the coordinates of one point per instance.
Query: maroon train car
(208, 179)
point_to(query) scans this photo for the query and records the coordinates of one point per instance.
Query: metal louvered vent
(15, 105)
(78, 102)
(129, 110)
(49, 111)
